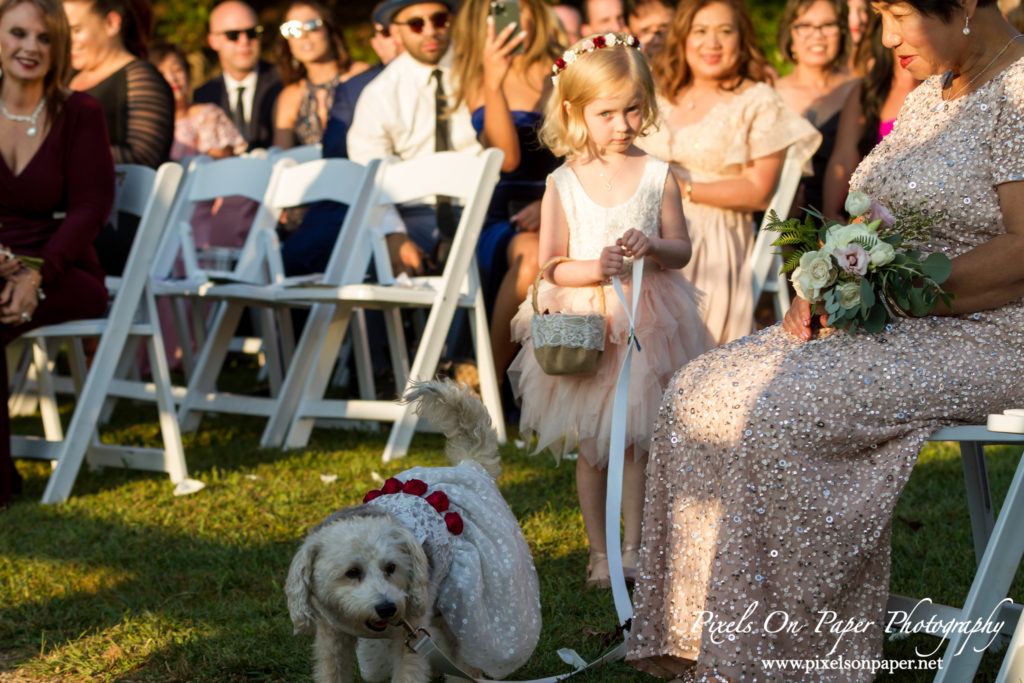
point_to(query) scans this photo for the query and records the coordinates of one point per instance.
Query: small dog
(434, 547)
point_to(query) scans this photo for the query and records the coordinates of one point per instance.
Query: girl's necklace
(608, 183)
(947, 78)
(30, 119)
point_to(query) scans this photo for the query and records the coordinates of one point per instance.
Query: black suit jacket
(261, 123)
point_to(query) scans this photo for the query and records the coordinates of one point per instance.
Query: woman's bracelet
(688, 192)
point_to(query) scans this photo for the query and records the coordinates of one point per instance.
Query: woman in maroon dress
(56, 189)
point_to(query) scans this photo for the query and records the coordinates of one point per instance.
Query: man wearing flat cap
(403, 112)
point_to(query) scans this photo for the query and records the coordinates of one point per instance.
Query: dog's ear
(419, 599)
(299, 586)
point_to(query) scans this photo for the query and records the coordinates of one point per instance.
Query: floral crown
(589, 45)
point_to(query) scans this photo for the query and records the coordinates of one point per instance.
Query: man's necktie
(442, 143)
(238, 115)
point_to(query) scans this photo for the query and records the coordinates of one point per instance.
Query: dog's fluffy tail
(456, 411)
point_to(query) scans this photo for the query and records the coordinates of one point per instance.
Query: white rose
(818, 266)
(881, 254)
(841, 235)
(587, 45)
(849, 295)
(857, 203)
(802, 284)
(609, 39)
(569, 57)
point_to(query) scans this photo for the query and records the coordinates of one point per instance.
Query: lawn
(125, 582)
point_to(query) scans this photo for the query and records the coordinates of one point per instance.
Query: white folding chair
(132, 313)
(292, 184)
(998, 548)
(299, 154)
(764, 262)
(469, 177)
(255, 261)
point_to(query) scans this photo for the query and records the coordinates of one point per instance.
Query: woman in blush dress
(506, 94)
(56, 189)
(777, 460)
(813, 36)
(725, 132)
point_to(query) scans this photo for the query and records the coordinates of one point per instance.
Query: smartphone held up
(505, 13)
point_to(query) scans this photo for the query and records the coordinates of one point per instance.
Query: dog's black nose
(385, 610)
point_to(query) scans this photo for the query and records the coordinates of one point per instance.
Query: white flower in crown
(610, 39)
(586, 46)
(569, 57)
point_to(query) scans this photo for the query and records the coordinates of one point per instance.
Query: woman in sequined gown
(777, 459)
(725, 132)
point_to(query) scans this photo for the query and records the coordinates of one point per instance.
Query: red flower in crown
(414, 487)
(438, 500)
(392, 485)
(560, 63)
(599, 41)
(454, 523)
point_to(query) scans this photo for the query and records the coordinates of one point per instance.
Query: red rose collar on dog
(415, 487)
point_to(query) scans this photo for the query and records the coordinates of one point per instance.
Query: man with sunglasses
(397, 114)
(248, 87)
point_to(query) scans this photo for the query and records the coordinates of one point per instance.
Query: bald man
(247, 87)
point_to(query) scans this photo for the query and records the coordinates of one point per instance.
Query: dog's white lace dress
(483, 578)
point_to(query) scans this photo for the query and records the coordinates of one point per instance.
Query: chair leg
(485, 366)
(991, 583)
(209, 364)
(979, 495)
(1012, 670)
(174, 452)
(361, 351)
(48, 407)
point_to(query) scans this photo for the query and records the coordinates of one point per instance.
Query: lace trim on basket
(574, 330)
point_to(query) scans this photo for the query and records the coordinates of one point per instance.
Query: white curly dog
(435, 547)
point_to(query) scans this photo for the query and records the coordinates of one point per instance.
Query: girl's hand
(634, 243)
(797, 320)
(611, 261)
(497, 54)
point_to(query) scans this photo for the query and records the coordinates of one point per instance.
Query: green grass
(125, 582)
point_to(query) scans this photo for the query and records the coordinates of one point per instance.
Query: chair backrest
(336, 180)
(207, 180)
(300, 154)
(468, 176)
(764, 262)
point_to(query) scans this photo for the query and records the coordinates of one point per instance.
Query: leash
(419, 640)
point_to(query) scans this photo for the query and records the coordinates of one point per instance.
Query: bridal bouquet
(866, 272)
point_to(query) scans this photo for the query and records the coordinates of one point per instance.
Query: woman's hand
(527, 219)
(797, 320)
(497, 54)
(19, 298)
(634, 243)
(9, 265)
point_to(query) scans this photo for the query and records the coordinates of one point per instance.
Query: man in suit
(248, 87)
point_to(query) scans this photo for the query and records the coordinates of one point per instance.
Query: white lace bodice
(593, 227)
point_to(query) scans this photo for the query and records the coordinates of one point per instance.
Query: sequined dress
(776, 464)
(752, 125)
(565, 409)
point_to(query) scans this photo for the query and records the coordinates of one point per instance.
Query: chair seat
(92, 327)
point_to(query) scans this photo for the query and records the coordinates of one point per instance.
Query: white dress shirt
(248, 96)
(395, 113)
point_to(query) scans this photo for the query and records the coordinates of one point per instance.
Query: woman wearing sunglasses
(313, 60)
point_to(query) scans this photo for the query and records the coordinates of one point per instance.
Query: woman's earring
(967, 25)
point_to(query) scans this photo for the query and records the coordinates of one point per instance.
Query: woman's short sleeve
(1006, 140)
(765, 125)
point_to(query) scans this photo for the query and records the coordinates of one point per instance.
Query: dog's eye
(354, 573)
(390, 568)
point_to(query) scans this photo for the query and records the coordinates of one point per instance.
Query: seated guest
(507, 94)
(309, 247)
(248, 86)
(857, 14)
(201, 128)
(109, 42)
(602, 16)
(725, 132)
(814, 37)
(56, 161)
(313, 61)
(571, 20)
(401, 113)
(649, 20)
(868, 114)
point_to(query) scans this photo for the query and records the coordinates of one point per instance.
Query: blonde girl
(609, 204)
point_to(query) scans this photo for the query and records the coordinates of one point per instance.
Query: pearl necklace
(947, 78)
(30, 119)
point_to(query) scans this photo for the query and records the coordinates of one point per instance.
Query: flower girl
(607, 205)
